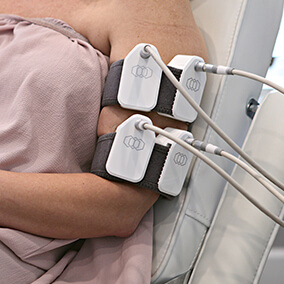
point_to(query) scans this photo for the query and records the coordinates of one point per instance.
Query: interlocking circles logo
(193, 84)
(142, 71)
(180, 159)
(134, 143)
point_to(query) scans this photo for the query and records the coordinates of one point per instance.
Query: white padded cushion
(241, 236)
(239, 33)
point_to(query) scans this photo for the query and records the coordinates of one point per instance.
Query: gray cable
(215, 167)
(209, 121)
(254, 174)
(259, 79)
(226, 70)
(212, 149)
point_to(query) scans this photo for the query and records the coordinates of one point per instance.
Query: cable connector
(216, 69)
(139, 124)
(202, 146)
(144, 53)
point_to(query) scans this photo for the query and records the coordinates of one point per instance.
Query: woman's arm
(167, 24)
(71, 205)
(84, 205)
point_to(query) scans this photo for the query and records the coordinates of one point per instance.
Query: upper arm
(167, 24)
(119, 25)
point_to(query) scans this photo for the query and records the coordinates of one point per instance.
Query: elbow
(116, 211)
(126, 229)
(129, 220)
(131, 213)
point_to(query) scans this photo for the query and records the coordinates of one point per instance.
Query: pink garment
(51, 81)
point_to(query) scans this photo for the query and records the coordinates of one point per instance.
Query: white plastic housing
(140, 81)
(177, 163)
(193, 82)
(131, 150)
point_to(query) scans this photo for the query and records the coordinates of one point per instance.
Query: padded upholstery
(240, 237)
(239, 33)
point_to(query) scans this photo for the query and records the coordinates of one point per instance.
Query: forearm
(70, 205)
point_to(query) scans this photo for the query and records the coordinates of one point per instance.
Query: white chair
(241, 34)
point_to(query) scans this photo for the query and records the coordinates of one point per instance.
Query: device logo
(142, 72)
(180, 159)
(134, 143)
(193, 84)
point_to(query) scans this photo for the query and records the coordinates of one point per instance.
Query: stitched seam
(198, 249)
(199, 214)
(265, 247)
(209, 132)
(218, 105)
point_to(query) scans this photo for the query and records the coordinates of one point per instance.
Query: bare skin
(84, 205)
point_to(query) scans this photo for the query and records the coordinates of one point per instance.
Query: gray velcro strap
(153, 171)
(167, 90)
